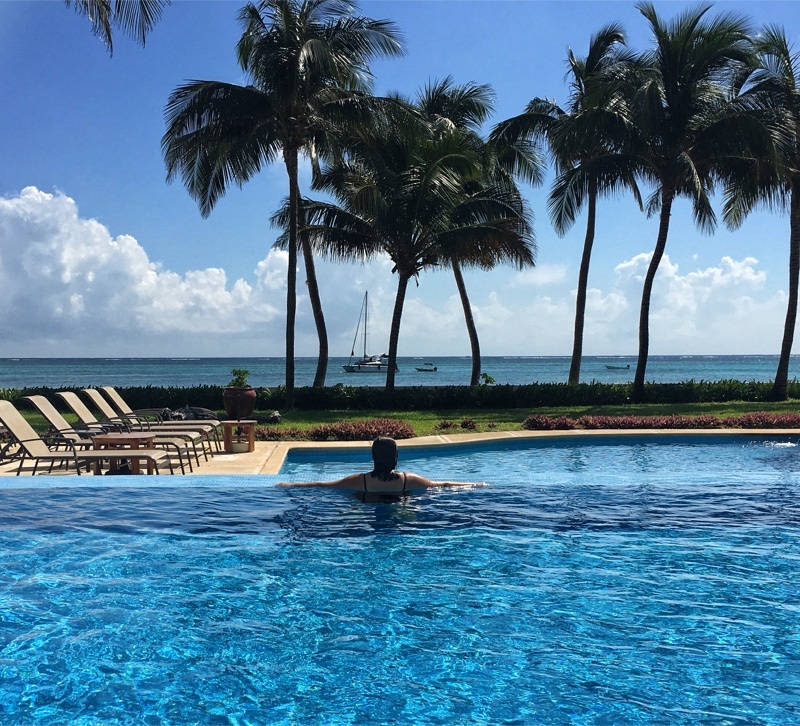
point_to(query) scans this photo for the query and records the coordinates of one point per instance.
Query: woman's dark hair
(384, 459)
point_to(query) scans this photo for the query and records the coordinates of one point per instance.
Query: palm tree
(491, 225)
(134, 17)
(586, 142)
(462, 109)
(402, 191)
(775, 86)
(694, 127)
(307, 63)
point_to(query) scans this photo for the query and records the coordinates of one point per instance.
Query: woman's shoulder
(353, 481)
(415, 480)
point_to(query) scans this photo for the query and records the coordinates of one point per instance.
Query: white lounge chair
(61, 426)
(150, 417)
(178, 444)
(34, 447)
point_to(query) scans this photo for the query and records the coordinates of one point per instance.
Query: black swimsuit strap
(365, 481)
(404, 481)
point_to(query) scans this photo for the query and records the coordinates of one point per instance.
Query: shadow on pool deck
(269, 456)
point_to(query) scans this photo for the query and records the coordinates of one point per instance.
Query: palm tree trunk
(394, 334)
(316, 307)
(644, 313)
(474, 343)
(780, 389)
(290, 159)
(583, 281)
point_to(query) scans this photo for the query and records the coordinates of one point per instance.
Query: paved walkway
(269, 456)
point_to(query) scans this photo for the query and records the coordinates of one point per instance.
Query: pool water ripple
(562, 593)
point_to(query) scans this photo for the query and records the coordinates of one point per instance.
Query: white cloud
(720, 309)
(724, 308)
(539, 276)
(69, 284)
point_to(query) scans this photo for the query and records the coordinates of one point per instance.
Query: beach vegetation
(696, 129)
(420, 186)
(589, 143)
(775, 87)
(307, 63)
(448, 398)
(509, 238)
(711, 104)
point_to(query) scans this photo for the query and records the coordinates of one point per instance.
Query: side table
(125, 440)
(238, 434)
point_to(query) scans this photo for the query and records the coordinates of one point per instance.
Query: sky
(100, 256)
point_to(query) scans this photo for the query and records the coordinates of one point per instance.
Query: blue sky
(100, 256)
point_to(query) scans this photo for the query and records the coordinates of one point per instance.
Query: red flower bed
(760, 420)
(340, 431)
(763, 420)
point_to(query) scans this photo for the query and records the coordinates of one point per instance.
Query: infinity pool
(604, 582)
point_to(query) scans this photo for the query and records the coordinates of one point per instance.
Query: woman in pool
(384, 478)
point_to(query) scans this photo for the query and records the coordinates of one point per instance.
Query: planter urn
(239, 402)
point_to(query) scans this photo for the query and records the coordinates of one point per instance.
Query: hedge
(440, 398)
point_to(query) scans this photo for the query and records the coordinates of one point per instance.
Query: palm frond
(134, 17)
(217, 134)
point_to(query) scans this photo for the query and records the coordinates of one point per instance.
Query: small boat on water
(367, 363)
(619, 368)
(427, 368)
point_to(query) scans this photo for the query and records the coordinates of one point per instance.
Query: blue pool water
(626, 581)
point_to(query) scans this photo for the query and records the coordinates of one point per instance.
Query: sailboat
(367, 363)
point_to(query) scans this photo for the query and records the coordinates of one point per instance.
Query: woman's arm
(354, 481)
(416, 481)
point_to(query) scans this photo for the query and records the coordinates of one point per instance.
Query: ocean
(450, 371)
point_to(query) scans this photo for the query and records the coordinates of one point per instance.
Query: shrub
(649, 422)
(548, 423)
(429, 398)
(444, 425)
(704, 421)
(763, 420)
(340, 431)
(275, 433)
(469, 424)
(598, 422)
(361, 430)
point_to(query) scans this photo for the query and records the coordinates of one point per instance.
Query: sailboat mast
(366, 313)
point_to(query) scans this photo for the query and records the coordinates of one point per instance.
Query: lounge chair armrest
(136, 422)
(65, 436)
(149, 414)
(4, 455)
(115, 424)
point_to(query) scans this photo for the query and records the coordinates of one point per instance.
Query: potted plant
(239, 398)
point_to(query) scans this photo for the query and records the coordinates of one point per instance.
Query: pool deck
(269, 456)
